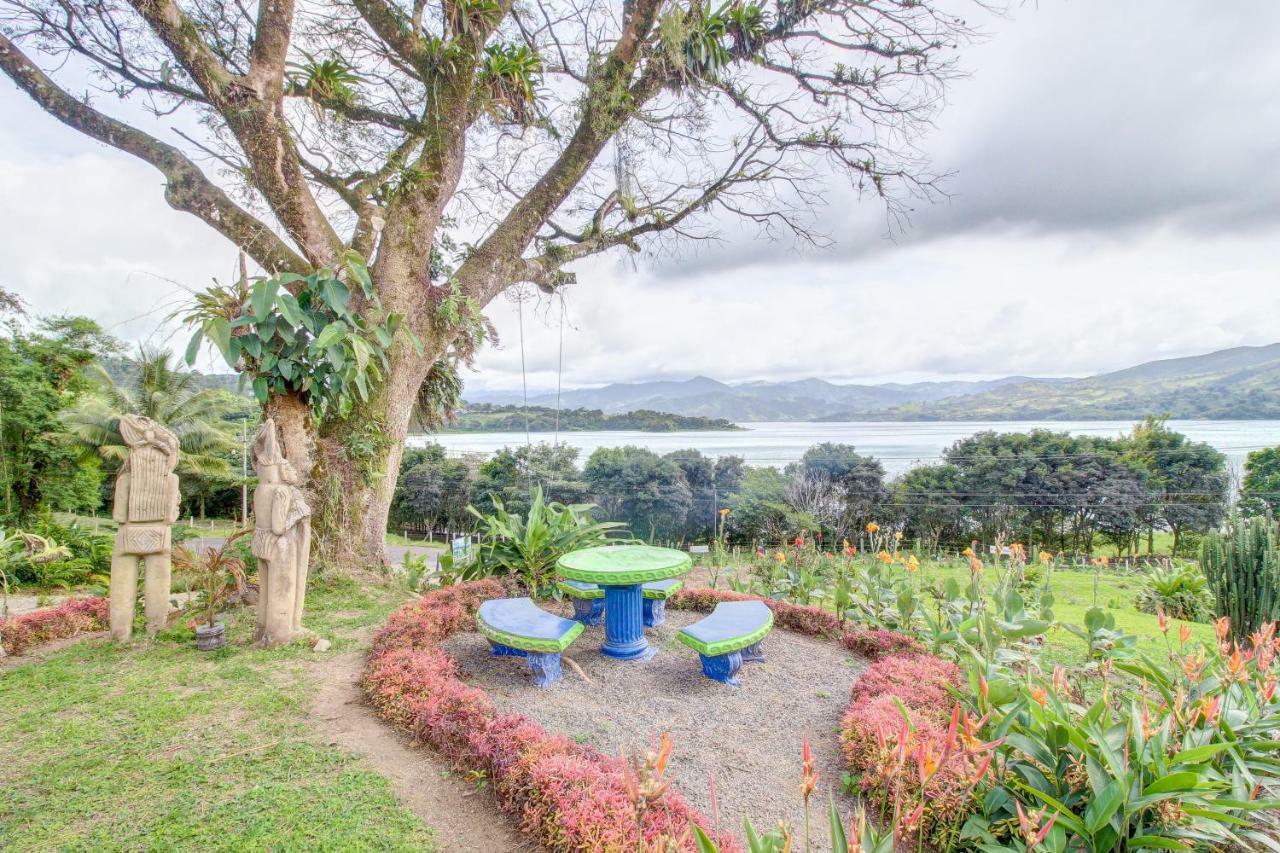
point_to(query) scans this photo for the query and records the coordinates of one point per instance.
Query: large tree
(467, 146)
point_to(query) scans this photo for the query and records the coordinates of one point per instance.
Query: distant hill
(1234, 384)
(484, 417)
(1240, 383)
(799, 400)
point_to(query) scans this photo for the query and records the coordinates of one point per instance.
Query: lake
(899, 445)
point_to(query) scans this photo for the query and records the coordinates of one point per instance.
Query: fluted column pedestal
(624, 624)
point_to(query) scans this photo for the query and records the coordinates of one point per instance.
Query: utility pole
(244, 471)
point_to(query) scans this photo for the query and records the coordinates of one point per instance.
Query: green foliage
(483, 417)
(1105, 638)
(41, 375)
(509, 75)
(156, 388)
(432, 490)
(1260, 491)
(529, 546)
(329, 78)
(302, 334)
(216, 572)
(637, 486)
(1179, 592)
(1243, 568)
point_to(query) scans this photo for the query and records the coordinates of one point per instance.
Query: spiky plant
(1243, 568)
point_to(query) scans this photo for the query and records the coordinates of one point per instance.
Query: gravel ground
(747, 740)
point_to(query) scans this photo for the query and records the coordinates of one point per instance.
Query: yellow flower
(898, 535)
(724, 512)
(884, 557)
(1046, 557)
(913, 564)
(780, 557)
(968, 552)
(872, 527)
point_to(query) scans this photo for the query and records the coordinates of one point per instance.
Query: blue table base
(724, 668)
(545, 666)
(624, 624)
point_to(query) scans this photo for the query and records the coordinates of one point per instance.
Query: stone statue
(146, 503)
(281, 540)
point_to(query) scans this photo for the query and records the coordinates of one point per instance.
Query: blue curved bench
(588, 600)
(520, 628)
(730, 635)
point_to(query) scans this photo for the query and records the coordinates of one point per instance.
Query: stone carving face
(144, 435)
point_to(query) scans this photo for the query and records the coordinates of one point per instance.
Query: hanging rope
(524, 378)
(560, 366)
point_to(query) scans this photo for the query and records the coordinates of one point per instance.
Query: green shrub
(87, 562)
(529, 547)
(1181, 592)
(1243, 568)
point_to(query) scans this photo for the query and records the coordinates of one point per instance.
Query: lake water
(899, 445)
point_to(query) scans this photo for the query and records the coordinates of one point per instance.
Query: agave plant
(530, 546)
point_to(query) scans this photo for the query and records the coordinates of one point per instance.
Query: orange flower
(912, 563)
(975, 565)
(1222, 628)
(1040, 695)
(872, 527)
(1209, 708)
(1046, 557)
(799, 543)
(724, 512)
(1238, 666)
(809, 779)
(967, 552)
(884, 557)
(1184, 633)
(780, 557)
(1162, 620)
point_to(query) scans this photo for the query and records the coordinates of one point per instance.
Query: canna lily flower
(913, 564)
(780, 557)
(967, 552)
(1040, 695)
(884, 557)
(724, 513)
(872, 527)
(849, 550)
(975, 566)
(898, 535)
(799, 543)
(1045, 557)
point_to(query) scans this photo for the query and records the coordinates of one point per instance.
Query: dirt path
(465, 819)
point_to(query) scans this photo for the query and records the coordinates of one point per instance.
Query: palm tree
(156, 387)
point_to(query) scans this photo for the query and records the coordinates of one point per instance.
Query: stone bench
(520, 628)
(656, 594)
(730, 635)
(588, 600)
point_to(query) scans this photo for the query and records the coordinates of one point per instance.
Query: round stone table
(620, 570)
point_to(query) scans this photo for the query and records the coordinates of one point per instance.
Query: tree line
(1059, 491)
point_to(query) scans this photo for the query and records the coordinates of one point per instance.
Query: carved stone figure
(281, 540)
(146, 503)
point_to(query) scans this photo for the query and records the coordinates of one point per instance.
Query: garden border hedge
(71, 617)
(567, 795)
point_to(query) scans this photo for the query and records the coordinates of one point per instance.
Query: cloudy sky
(1115, 198)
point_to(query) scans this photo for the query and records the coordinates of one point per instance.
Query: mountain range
(1237, 383)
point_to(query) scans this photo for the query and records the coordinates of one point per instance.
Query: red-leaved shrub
(71, 617)
(927, 766)
(568, 796)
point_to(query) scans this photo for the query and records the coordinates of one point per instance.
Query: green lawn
(159, 746)
(1073, 593)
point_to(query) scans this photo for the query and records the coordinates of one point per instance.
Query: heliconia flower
(809, 780)
(1238, 666)
(1209, 708)
(1184, 634)
(984, 689)
(1268, 689)
(1222, 627)
(1162, 620)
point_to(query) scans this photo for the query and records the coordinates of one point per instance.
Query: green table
(620, 570)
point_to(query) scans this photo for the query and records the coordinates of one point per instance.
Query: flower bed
(71, 617)
(566, 795)
(928, 766)
(569, 796)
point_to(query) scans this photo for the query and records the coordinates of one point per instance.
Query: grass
(1074, 594)
(158, 746)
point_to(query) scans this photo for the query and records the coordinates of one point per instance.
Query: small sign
(699, 549)
(462, 549)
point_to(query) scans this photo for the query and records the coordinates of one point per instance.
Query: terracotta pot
(210, 637)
